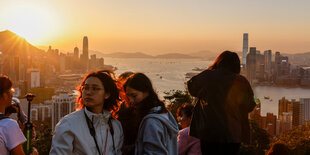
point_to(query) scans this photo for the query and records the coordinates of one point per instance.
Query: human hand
(34, 151)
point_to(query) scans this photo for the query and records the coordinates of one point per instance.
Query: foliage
(176, 99)
(298, 140)
(43, 140)
(259, 141)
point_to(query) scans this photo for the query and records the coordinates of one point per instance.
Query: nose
(87, 92)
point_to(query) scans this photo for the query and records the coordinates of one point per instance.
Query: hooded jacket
(157, 135)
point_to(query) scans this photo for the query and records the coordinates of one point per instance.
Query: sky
(160, 26)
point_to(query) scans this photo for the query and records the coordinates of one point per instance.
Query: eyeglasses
(92, 89)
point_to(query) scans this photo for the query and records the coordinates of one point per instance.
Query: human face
(93, 94)
(135, 96)
(7, 96)
(183, 120)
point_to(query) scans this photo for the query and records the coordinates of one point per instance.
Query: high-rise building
(268, 63)
(306, 103)
(285, 106)
(76, 52)
(85, 57)
(85, 48)
(245, 48)
(33, 78)
(298, 114)
(62, 104)
(286, 120)
(41, 112)
(93, 62)
(251, 65)
(271, 123)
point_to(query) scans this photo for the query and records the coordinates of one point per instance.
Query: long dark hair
(227, 60)
(5, 84)
(141, 82)
(107, 78)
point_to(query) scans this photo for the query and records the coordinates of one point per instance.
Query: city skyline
(160, 26)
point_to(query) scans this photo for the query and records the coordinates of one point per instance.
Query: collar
(105, 115)
(155, 109)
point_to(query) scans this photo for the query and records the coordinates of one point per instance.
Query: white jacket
(72, 134)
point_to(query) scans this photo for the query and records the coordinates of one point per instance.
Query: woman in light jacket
(158, 129)
(91, 129)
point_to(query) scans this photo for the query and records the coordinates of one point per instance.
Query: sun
(33, 22)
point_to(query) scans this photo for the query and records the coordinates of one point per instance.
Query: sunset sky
(160, 26)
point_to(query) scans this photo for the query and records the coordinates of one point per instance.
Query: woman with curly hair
(91, 129)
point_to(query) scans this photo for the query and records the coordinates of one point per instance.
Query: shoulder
(76, 115)
(241, 79)
(151, 121)
(71, 119)
(9, 124)
(184, 131)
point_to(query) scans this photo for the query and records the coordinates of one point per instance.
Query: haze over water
(173, 73)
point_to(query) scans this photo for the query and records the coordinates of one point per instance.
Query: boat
(266, 97)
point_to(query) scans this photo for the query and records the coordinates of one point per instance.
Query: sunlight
(33, 22)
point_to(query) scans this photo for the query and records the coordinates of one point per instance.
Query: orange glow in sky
(160, 26)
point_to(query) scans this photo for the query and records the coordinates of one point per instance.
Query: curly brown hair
(107, 78)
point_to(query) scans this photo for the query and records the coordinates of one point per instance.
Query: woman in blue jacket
(158, 128)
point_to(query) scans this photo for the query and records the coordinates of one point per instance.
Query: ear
(107, 95)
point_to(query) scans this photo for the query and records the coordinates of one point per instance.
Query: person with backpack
(220, 118)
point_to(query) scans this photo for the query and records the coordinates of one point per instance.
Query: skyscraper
(84, 57)
(285, 106)
(298, 114)
(85, 48)
(245, 47)
(251, 65)
(306, 103)
(76, 52)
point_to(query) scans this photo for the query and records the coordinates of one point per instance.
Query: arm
(153, 138)
(120, 138)
(18, 150)
(62, 142)
(249, 101)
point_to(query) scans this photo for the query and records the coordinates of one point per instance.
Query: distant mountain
(175, 56)
(206, 55)
(143, 55)
(302, 59)
(10, 42)
(128, 55)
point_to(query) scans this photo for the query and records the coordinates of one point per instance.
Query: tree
(44, 137)
(259, 141)
(298, 140)
(176, 99)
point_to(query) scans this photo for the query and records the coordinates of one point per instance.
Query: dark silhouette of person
(228, 98)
